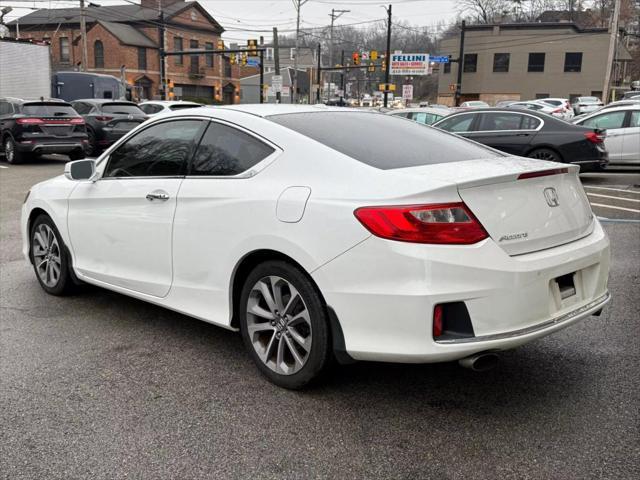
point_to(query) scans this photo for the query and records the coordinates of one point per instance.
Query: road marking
(615, 198)
(616, 208)
(613, 189)
(3, 166)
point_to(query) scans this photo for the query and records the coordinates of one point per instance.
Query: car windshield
(401, 144)
(589, 100)
(182, 106)
(123, 108)
(51, 109)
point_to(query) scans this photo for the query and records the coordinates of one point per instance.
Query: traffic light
(384, 64)
(244, 58)
(372, 67)
(252, 46)
(232, 59)
(356, 58)
(373, 55)
(171, 94)
(220, 44)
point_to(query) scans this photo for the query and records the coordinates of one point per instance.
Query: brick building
(124, 41)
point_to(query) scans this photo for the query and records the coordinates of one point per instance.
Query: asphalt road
(103, 386)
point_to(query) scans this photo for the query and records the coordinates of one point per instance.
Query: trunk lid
(521, 211)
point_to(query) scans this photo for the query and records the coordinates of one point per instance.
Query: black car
(530, 134)
(107, 120)
(36, 127)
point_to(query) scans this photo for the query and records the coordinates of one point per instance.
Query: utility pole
(318, 74)
(388, 56)
(83, 34)
(294, 94)
(276, 60)
(163, 62)
(261, 76)
(458, 93)
(342, 79)
(335, 14)
(613, 36)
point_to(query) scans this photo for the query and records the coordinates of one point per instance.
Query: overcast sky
(245, 18)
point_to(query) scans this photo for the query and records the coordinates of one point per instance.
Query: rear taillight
(558, 110)
(594, 137)
(29, 121)
(543, 173)
(102, 118)
(77, 121)
(445, 223)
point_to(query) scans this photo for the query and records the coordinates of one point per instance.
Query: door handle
(157, 196)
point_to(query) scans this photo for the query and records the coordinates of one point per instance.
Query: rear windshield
(383, 141)
(125, 108)
(43, 109)
(182, 106)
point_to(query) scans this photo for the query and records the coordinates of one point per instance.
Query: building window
(98, 54)
(269, 53)
(142, 58)
(540, 96)
(194, 59)
(292, 53)
(536, 62)
(64, 50)
(573, 62)
(470, 64)
(227, 67)
(447, 68)
(178, 47)
(501, 62)
(209, 57)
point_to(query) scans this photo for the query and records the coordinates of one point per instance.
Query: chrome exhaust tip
(480, 362)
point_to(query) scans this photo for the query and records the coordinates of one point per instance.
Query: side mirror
(80, 170)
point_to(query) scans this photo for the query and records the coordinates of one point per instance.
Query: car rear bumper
(384, 293)
(50, 146)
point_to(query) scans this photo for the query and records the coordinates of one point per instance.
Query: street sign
(440, 59)
(276, 83)
(253, 62)
(409, 64)
(407, 92)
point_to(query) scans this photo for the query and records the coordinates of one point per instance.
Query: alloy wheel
(279, 325)
(8, 150)
(544, 155)
(46, 255)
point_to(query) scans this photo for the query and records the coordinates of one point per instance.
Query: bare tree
(483, 11)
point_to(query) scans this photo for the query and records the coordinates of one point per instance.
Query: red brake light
(102, 118)
(437, 321)
(29, 121)
(445, 223)
(77, 121)
(594, 137)
(543, 173)
(558, 110)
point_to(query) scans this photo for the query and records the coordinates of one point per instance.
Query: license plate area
(566, 285)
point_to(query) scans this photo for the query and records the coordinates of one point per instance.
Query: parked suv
(36, 127)
(107, 120)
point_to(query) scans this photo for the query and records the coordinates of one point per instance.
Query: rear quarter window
(49, 109)
(382, 141)
(123, 108)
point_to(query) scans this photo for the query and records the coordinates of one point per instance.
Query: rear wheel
(284, 324)
(11, 153)
(545, 154)
(91, 149)
(50, 258)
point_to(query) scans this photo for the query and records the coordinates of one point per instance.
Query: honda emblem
(551, 196)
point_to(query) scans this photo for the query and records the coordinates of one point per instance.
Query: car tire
(545, 154)
(11, 153)
(91, 149)
(50, 257)
(284, 324)
(77, 155)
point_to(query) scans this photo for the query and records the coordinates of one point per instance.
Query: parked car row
(82, 127)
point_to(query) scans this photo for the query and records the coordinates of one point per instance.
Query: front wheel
(49, 257)
(284, 324)
(545, 154)
(11, 153)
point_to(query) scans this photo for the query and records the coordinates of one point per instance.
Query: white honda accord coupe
(325, 232)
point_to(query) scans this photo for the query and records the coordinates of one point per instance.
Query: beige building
(527, 61)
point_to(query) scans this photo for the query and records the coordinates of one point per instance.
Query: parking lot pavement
(99, 385)
(614, 194)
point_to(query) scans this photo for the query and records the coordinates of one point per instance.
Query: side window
(4, 108)
(606, 120)
(501, 121)
(530, 123)
(227, 151)
(459, 123)
(403, 115)
(635, 119)
(145, 108)
(426, 118)
(81, 108)
(161, 150)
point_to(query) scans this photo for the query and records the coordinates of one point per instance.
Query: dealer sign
(409, 64)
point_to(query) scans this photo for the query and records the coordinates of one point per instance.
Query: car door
(631, 138)
(220, 203)
(120, 226)
(613, 123)
(511, 132)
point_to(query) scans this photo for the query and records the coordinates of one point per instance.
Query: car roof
(268, 109)
(168, 102)
(435, 110)
(615, 109)
(102, 100)
(535, 113)
(32, 100)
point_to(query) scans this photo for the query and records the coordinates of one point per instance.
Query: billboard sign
(409, 64)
